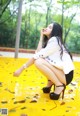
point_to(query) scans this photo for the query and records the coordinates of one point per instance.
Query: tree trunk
(67, 31)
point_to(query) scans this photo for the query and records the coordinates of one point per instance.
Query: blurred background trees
(37, 14)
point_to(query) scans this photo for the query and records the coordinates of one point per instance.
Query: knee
(38, 62)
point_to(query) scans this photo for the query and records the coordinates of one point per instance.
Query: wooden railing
(20, 50)
(6, 49)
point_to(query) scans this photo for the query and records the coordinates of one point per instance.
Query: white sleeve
(51, 48)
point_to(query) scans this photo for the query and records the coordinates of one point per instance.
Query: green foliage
(3, 6)
(73, 41)
(33, 21)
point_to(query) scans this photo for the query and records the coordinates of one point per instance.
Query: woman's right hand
(41, 35)
(42, 32)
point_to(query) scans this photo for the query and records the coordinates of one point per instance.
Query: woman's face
(47, 30)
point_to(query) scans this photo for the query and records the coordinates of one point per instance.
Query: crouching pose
(53, 60)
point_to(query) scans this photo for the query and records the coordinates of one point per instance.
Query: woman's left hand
(18, 72)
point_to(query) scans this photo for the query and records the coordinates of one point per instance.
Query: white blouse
(51, 53)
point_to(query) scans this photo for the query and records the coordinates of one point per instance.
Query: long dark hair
(57, 32)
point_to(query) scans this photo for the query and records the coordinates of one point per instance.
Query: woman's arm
(40, 42)
(51, 48)
(26, 65)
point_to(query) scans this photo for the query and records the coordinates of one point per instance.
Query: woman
(53, 60)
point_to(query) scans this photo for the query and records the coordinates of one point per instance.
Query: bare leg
(58, 72)
(55, 75)
(47, 71)
(49, 83)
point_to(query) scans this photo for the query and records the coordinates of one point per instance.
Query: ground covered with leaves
(23, 95)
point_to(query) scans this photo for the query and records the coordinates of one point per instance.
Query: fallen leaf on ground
(62, 103)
